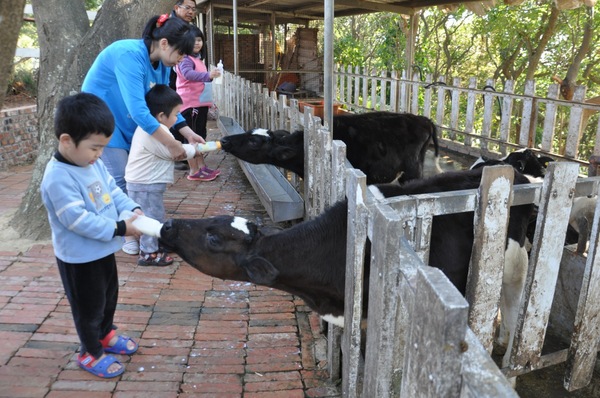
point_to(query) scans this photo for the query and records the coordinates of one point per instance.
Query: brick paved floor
(198, 336)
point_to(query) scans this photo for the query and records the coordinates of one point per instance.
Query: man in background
(185, 9)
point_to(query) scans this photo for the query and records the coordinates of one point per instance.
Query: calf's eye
(213, 240)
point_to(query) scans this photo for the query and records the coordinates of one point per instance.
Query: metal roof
(261, 12)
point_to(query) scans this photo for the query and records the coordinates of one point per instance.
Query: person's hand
(176, 150)
(130, 229)
(215, 73)
(192, 137)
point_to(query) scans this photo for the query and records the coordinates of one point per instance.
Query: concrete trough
(279, 198)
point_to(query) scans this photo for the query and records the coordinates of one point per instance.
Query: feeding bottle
(146, 225)
(219, 80)
(209, 146)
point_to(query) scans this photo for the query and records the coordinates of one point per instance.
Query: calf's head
(261, 146)
(222, 247)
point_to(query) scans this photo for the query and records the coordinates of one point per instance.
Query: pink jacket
(191, 77)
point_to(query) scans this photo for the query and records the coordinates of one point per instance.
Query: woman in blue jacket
(124, 72)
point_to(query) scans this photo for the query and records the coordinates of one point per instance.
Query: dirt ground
(16, 100)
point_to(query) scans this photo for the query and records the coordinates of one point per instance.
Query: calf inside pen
(309, 259)
(385, 145)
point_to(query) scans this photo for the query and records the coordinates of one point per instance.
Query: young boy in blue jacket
(84, 203)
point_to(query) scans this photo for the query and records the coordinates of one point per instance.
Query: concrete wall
(18, 136)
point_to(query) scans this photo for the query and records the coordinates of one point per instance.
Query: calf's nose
(167, 225)
(225, 143)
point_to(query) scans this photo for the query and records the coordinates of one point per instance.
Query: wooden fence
(395, 363)
(481, 118)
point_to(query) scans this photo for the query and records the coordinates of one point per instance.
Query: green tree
(11, 19)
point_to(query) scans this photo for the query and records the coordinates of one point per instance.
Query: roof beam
(265, 11)
(378, 7)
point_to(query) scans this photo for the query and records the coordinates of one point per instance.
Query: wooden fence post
(488, 116)
(391, 268)
(438, 324)
(527, 116)
(454, 108)
(575, 118)
(487, 258)
(470, 111)
(557, 197)
(505, 120)
(358, 216)
(550, 118)
(583, 351)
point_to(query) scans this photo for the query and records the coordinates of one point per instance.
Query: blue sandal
(100, 369)
(120, 347)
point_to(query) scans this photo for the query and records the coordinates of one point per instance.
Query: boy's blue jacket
(121, 75)
(83, 206)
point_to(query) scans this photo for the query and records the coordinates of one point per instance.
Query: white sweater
(149, 161)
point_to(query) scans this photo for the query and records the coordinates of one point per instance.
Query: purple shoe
(216, 172)
(202, 175)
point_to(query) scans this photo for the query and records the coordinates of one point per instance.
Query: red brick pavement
(198, 336)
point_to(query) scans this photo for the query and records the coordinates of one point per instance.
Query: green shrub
(23, 81)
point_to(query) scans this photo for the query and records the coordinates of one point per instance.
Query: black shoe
(182, 166)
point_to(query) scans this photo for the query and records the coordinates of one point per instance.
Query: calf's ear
(259, 270)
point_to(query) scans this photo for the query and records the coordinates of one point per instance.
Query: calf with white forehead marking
(309, 259)
(384, 145)
(305, 260)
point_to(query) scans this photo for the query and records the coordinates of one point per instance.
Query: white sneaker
(131, 247)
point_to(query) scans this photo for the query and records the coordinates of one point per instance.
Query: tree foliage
(531, 41)
(10, 24)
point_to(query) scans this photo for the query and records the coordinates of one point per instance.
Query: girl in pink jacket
(194, 87)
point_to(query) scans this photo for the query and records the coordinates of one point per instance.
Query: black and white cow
(523, 160)
(308, 259)
(384, 145)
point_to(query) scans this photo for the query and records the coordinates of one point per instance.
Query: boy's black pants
(92, 290)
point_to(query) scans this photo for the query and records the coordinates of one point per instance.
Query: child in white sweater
(150, 168)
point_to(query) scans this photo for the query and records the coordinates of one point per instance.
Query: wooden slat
(389, 271)
(487, 257)
(507, 108)
(481, 378)
(454, 107)
(427, 96)
(356, 86)
(527, 115)
(574, 129)
(441, 102)
(365, 93)
(373, 96)
(358, 216)
(414, 95)
(488, 113)
(584, 343)
(438, 326)
(557, 197)
(338, 169)
(310, 163)
(550, 118)
(383, 103)
(470, 111)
